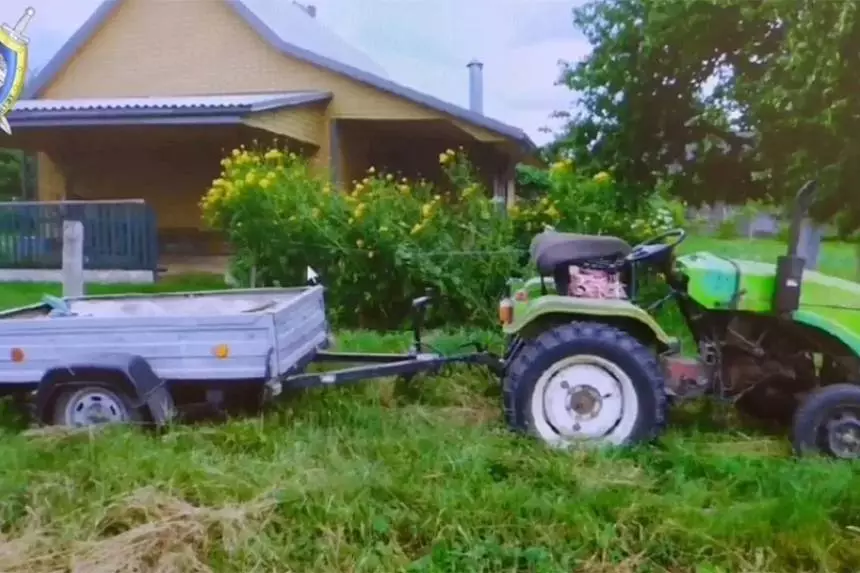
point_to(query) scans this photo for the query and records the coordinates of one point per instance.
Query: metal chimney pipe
(476, 86)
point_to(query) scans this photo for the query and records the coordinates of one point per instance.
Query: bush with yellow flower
(592, 204)
(376, 244)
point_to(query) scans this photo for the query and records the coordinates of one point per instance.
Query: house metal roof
(220, 109)
(292, 24)
(250, 102)
(286, 27)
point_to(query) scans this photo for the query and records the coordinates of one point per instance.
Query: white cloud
(424, 44)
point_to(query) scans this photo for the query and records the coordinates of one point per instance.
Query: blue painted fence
(118, 235)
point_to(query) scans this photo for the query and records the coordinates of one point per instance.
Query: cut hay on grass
(420, 477)
(146, 532)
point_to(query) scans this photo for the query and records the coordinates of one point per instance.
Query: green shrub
(388, 239)
(532, 182)
(595, 205)
(376, 247)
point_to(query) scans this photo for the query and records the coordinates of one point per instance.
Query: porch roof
(180, 110)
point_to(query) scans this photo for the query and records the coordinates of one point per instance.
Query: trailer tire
(612, 390)
(84, 404)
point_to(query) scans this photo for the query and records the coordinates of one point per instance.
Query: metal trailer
(147, 358)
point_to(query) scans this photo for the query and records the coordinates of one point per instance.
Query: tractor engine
(766, 370)
(595, 283)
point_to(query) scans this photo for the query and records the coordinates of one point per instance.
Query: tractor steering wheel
(656, 248)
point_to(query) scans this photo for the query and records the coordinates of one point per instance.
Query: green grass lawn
(379, 477)
(13, 295)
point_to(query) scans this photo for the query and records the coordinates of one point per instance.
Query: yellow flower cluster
(560, 167)
(428, 210)
(447, 157)
(359, 187)
(359, 212)
(242, 171)
(603, 177)
(378, 211)
(543, 211)
(471, 190)
(220, 192)
(274, 155)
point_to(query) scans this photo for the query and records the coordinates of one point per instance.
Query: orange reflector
(221, 351)
(17, 355)
(506, 311)
(521, 296)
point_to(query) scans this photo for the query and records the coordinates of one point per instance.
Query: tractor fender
(533, 317)
(128, 373)
(847, 334)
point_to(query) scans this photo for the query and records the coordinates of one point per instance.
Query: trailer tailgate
(300, 329)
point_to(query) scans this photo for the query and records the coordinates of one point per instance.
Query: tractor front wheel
(586, 383)
(828, 422)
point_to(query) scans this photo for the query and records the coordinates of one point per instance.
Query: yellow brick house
(143, 100)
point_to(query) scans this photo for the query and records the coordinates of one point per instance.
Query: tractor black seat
(552, 249)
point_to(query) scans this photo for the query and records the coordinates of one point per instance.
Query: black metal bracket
(419, 315)
(657, 305)
(386, 365)
(366, 366)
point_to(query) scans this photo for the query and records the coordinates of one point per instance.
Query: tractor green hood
(827, 303)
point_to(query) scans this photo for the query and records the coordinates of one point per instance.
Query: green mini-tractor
(584, 363)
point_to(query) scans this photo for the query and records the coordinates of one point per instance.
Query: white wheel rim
(584, 398)
(94, 406)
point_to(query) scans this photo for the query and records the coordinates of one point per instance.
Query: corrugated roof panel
(293, 32)
(281, 99)
(294, 26)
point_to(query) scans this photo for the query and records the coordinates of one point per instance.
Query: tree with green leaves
(805, 104)
(725, 99)
(646, 113)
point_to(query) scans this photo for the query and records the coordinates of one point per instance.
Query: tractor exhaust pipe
(802, 202)
(789, 267)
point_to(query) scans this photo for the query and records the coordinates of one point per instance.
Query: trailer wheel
(92, 404)
(828, 422)
(586, 383)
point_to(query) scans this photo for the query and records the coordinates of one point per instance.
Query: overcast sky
(424, 44)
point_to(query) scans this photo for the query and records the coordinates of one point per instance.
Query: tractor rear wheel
(586, 382)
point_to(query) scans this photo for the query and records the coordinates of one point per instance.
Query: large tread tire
(814, 411)
(587, 338)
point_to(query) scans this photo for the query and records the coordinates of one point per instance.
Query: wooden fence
(118, 235)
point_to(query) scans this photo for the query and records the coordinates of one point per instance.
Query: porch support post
(510, 182)
(335, 154)
(504, 183)
(50, 178)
